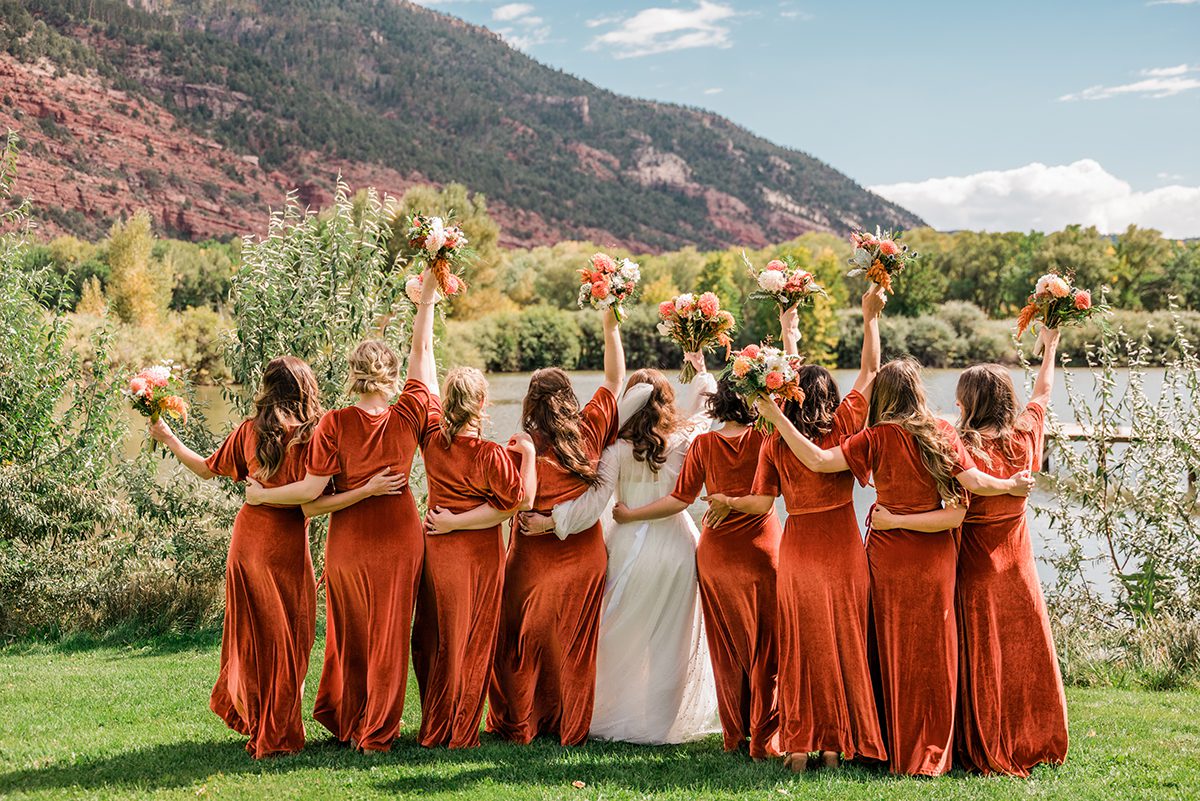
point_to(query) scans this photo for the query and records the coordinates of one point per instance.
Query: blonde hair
(464, 395)
(374, 367)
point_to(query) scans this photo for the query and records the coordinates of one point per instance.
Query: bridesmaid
(543, 681)
(918, 463)
(1012, 710)
(826, 700)
(375, 548)
(736, 570)
(270, 593)
(458, 606)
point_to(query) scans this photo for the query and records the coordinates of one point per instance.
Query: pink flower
(137, 385)
(709, 304)
(796, 282)
(453, 284)
(1051, 285)
(741, 366)
(157, 376)
(599, 290)
(666, 309)
(1083, 299)
(750, 351)
(776, 264)
(774, 380)
(888, 248)
(603, 263)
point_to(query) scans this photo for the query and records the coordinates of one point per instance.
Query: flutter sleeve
(323, 459)
(229, 459)
(413, 407)
(581, 513)
(859, 452)
(505, 489)
(691, 475)
(766, 476)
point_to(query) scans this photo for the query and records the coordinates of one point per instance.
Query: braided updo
(374, 367)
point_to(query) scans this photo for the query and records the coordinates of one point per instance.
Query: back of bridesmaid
(270, 592)
(376, 540)
(1012, 710)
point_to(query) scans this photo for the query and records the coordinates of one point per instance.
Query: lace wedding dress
(654, 680)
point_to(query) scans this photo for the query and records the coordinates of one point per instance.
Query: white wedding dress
(654, 680)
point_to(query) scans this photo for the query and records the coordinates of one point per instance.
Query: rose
(772, 280)
(776, 264)
(684, 301)
(453, 284)
(888, 248)
(709, 304)
(138, 385)
(599, 290)
(1051, 285)
(666, 308)
(751, 351)
(603, 263)
(1083, 300)
(774, 380)
(741, 366)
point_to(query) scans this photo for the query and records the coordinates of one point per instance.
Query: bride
(654, 681)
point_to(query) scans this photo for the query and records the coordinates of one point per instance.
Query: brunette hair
(727, 406)
(288, 401)
(551, 413)
(989, 402)
(650, 426)
(464, 395)
(374, 367)
(813, 416)
(898, 397)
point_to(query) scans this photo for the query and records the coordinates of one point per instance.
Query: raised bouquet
(783, 282)
(697, 324)
(155, 391)
(1056, 302)
(765, 371)
(412, 287)
(879, 256)
(607, 283)
(442, 245)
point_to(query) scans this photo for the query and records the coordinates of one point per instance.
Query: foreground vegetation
(114, 722)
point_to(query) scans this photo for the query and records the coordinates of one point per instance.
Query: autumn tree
(138, 290)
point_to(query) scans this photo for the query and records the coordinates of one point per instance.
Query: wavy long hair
(898, 397)
(813, 417)
(728, 406)
(288, 402)
(989, 403)
(550, 414)
(374, 367)
(649, 429)
(464, 399)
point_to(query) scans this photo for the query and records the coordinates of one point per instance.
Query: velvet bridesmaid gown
(1012, 709)
(736, 565)
(544, 675)
(372, 568)
(912, 600)
(270, 607)
(826, 699)
(458, 604)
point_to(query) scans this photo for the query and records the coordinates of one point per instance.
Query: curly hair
(288, 401)
(989, 403)
(550, 414)
(813, 417)
(727, 406)
(374, 367)
(464, 396)
(651, 426)
(898, 397)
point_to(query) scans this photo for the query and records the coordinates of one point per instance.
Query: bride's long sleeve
(693, 405)
(580, 513)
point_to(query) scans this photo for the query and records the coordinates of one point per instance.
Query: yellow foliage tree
(137, 292)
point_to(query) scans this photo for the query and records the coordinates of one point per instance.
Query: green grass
(95, 720)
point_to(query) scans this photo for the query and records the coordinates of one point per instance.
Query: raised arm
(928, 522)
(421, 364)
(872, 306)
(614, 353)
(981, 483)
(384, 482)
(1044, 384)
(161, 432)
(814, 458)
(294, 494)
(789, 329)
(691, 403)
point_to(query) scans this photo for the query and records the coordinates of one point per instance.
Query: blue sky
(994, 115)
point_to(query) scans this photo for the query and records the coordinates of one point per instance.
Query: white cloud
(716, 90)
(511, 11)
(525, 30)
(661, 30)
(1169, 176)
(1157, 82)
(1172, 2)
(1047, 198)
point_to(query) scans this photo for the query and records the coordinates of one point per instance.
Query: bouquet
(697, 324)
(154, 391)
(880, 256)
(412, 287)
(1055, 302)
(442, 245)
(783, 282)
(762, 370)
(608, 283)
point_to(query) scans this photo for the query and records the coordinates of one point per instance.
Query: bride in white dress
(654, 681)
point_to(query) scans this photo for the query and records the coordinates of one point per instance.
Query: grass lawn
(89, 721)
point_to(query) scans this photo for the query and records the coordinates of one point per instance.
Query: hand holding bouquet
(412, 287)
(783, 282)
(154, 392)
(442, 245)
(696, 324)
(1055, 302)
(879, 256)
(763, 371)
(607, 283)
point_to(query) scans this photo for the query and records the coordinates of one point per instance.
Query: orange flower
(176, 406)
(1026, 317)
(879, 274)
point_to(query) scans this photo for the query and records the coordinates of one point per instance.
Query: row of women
(605, 613)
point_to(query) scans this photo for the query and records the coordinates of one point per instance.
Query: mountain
(206, 112)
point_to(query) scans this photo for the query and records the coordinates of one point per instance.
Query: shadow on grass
(132, 642)
(410, 769)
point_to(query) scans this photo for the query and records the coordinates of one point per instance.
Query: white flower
(436, 238)
(1052, 285)
(684, 300)
(158, 374)
(772, 280)
(664, 329)
(630, 271)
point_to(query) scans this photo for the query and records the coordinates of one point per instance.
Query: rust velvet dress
(270, 607)
(826, 699)
(1012, 711)
(458, 604)
(372, 568)
(735, 565)
(544, 675)
(912, 600)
